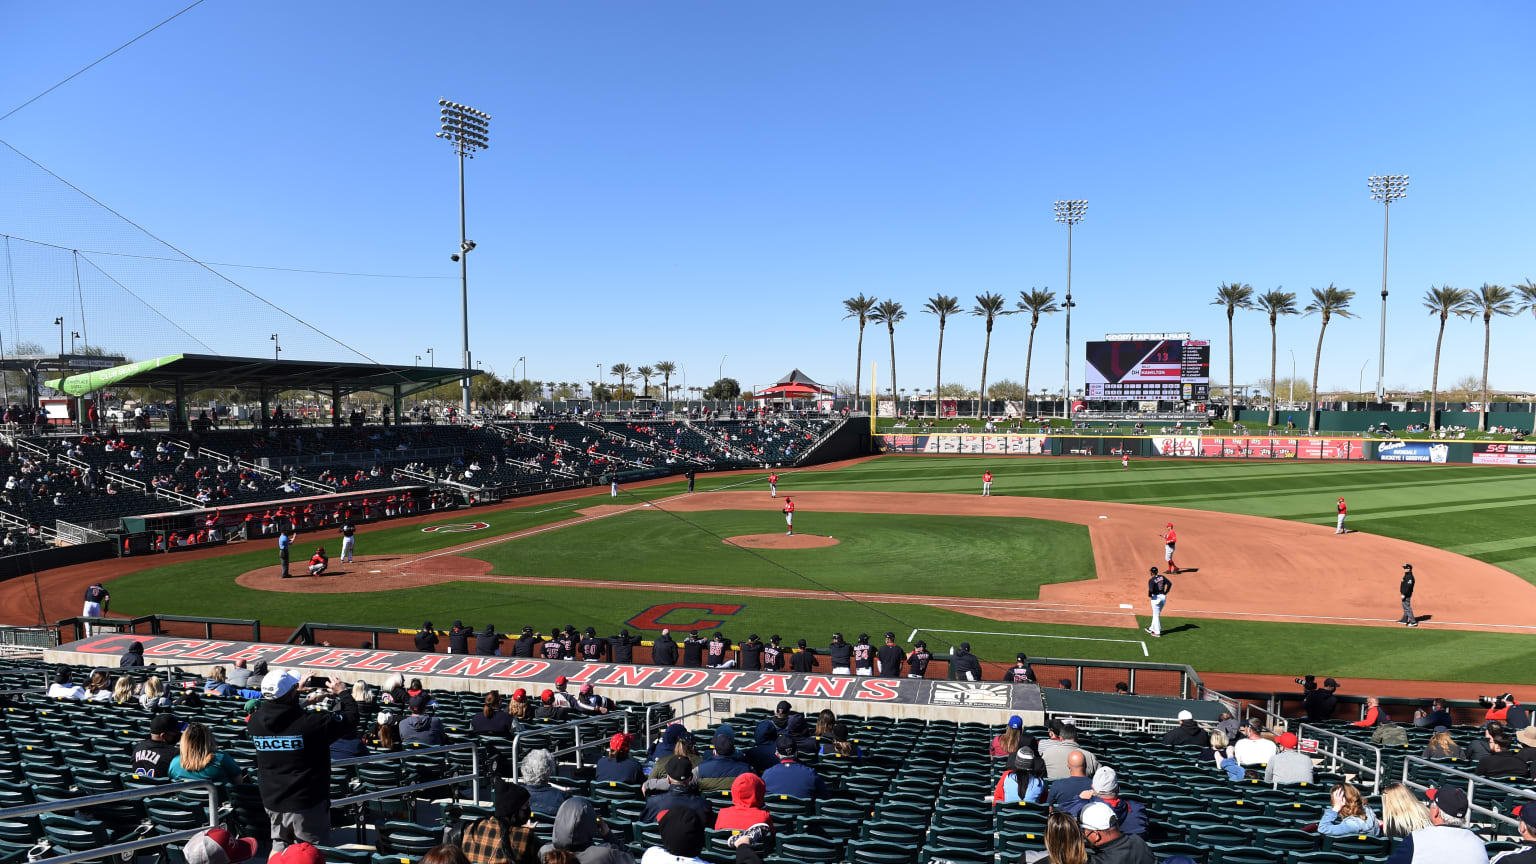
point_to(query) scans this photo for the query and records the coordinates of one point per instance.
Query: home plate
(1124, 605)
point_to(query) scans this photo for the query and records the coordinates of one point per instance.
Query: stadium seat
(1357, 844)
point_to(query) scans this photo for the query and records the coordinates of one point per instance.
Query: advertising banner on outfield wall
(1259, 448)
(1504, 454)
(1413, 451)
(1002, 445)
(659, 682)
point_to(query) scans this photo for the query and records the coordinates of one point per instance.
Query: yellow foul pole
(873, 409)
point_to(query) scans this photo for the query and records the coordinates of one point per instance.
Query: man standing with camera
(293, 754)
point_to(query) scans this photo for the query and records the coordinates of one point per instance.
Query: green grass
(943, 556)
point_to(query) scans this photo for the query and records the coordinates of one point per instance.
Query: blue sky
(687, 180)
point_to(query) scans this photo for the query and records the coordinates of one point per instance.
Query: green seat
(345, 856)
(1358, 844)
(1286, 839)
(810, 849)
(1220, 835)
(956, 854)
(1246, 855)
(872, 852)
(1320, 858)
(407, 838)
(1167, 850)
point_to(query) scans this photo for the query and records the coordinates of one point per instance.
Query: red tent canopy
(795, 385)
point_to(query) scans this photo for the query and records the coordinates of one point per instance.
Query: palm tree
(1234, 296)
(943, 307)
(1488, 301)
(620, 371)
(645, 373)
(889, 313)
(1036, 302)
(1444, 301)
(858, 307)
(592, 390)
(1274, 304)
(1329, 302)
(665, 368)
(990, 307)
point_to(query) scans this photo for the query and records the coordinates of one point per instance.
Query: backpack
(1390, 735)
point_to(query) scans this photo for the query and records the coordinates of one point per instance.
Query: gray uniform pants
(1408, 617)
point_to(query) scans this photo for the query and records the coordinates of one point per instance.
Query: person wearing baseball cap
(918, 660)
(616, 766)
(1526, 854)
(1405, 588)
(1020, 672)
(1110, 845)
(891, 657)
(293, 757)
(1288, 766)
(682, 794)
(1447, 840)
(841, 654)
(1187, 734)
(152, 757)
(422, 728)
(751, 652)
(218, 846)
(1339, 528)
(963, 664)
(804, 658)
(724, 765)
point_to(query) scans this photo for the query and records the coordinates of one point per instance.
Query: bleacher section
(919, 792)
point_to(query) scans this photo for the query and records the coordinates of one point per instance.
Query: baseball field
(1054, 563)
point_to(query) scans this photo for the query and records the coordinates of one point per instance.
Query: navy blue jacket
(677, 796)
(794, 778)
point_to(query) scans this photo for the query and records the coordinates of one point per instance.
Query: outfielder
(1169, 539)
(773, 485)
(1339, 529)
(789, 516)
(1125, 460)
(986, 484)
(1157, 591)
(348, 530)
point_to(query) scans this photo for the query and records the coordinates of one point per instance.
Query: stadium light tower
(1069, 213)
(1385, 188)
(467, 130)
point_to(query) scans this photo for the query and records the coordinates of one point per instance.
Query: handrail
(574, 725)
(650, 727)
(154, 624)
(1375, 771)
(1472, 781)
(473, 778)
(124, 479)
(145, 842)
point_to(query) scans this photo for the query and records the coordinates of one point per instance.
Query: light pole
(1385, 188)
(277, 346)
(1068, 213)
(1360, 385)
(523, 360)
(1292, 400)
(418, 360)
(432, 358)
(467, 130)
(60, 321)
(720, 372)
(73, 335)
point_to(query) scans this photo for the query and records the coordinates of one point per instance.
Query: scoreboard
(1169, 370)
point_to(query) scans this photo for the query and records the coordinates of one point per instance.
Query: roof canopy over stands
(192, 372)
(795, 385)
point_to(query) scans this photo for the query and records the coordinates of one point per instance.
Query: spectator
(153, 697)
(1064, 793)
(764, 753)
(683, 749)
(386, 733)
(664, 650)
(520, 708)
(1130, 815)
(1059, 748)
(1228, 725)
(682, 838)
(1063, 843)
(577, 830)
(1439, 714)
(122, 691)
(616, 766)
(1007, 742)
(588, 702)
(1320, 702)
(1253, 748)
(200, 759)
(1442, 746)
(1288, 766)
(1499, 708)
(134, 656)
(1025, 778)
(293, 758)
(1373, 714)
(1447, 840)
(538, 769)
(719, 772)
(487, 642)
(792, 777)
(963, 664)
(1501, 762)
(446, 853)
(746, 811)
(240, 676)
(1187, 734)
(64, 687)
(152, 757)
(825, 720)
(668, 743)
(1220, 749)
(504, 837)
(842, 746)
(218, 683)
(218, 846)
(1347, 814)
(1110, 845)
(394, 692)
(421, 727)
(426, 640)
(1402, 813)
(99, 688)
(1527, 738)
(800, 731)
(492, 720)
(1526, 854)
(458, 638)
(682, 793)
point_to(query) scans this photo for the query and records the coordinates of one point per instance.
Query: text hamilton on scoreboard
(1169, 367)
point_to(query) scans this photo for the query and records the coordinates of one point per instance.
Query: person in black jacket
(804, 659)
(133, 657)
(458, 638)
(550, 650)
(963, 665)
(664, 650)
(293, 756)
(426, 638)
(1406, 589)
(488, 642)
(1187, 734)
(841, 654)
(593, 649)
(1320, 702)
(891, 657)
(773, 654)
(526, 643)
(568, 640)
(621, 648)
(1021, 672)
(693, 650)
(917, 661)
(752, 654)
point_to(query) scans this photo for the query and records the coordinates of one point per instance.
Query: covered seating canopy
(795, 385)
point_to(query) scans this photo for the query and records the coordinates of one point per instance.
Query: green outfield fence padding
(1359, 421)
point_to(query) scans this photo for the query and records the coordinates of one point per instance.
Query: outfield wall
(1210, 447)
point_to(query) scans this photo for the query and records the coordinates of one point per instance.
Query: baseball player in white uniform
(1157, 591)
(1339, 529)
(348, 530)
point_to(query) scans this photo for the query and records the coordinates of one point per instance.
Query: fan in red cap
(615, 766)
(298, 853)
(1287, 765)
(217, 846)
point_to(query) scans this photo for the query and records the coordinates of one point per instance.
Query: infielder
(96, 600)
(1169, 539)
(773, 485)
(986, 484)
(1406, 589)
(613, 485)
(789, 516)
(348, 530)
(1157, 591)
(1339, 529)
(1125, 461)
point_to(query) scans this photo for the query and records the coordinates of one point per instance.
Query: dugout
(183, 374)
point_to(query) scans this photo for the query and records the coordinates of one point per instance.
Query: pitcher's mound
(782, 541)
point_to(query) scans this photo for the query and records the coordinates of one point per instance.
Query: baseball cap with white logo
(277, 683)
